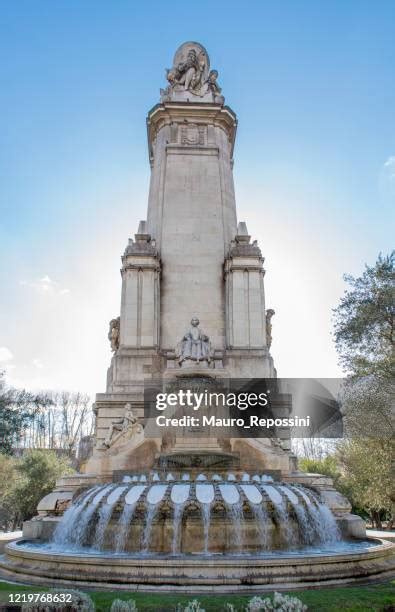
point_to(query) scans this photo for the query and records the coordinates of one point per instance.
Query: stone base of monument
(198, 573)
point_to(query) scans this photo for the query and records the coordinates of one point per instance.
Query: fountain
(174, 517)
(188, 508)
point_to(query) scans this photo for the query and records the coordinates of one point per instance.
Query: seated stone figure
(195, 345)
(188, 73)
(120, 427)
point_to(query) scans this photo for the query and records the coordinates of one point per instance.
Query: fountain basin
(370, 559)
(225, 532)
(192, 516)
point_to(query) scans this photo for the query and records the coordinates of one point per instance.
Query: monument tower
(190, 265)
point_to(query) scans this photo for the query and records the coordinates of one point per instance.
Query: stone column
(139, 327)
(245, 299)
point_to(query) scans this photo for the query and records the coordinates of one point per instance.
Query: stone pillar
(245, 299)
(139, 327)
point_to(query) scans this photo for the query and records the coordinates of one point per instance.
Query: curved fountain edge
(200, 574)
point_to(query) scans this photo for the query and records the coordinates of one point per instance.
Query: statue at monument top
(195, 345)
(190, 78)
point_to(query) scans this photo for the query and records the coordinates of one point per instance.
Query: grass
(370, 598)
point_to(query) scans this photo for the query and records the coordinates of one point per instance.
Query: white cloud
(38, 363)
(390, 163)
(45, 280)
(45, 285)
(5, 354)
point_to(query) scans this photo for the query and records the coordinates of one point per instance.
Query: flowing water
(125, 519)
(262, 522)
(235, 514)
(105, 513)
(206, 515)
(151, 511)
(65, 528)
(177, 519)
(102, 517)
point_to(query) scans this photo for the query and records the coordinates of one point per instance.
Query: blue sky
(313, 86)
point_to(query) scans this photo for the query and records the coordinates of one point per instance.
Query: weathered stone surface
(197, 575)
(50, 502)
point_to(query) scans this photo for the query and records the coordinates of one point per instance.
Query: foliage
(328, 466)
(56, 420)
(118, 605)
(312, 447)
(364, 336)
(365, 456)
(38, 470)
(367, 477)
(8, 471)
(282, 603)
(68, 419)
(367, 405)
(18, 409)
(364, 321)
(30, 478)
(61, 423)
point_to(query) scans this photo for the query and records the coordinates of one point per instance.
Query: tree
(37, 472)
(48, 419)
(364, 321)
(18, 409)
(367, 406)
(365, 456)
(328, 466)
(312, 448)
(367, 476)
(364, 336)
(7, 487)
(75, 414)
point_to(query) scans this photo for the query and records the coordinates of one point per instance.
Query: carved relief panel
(193, 134)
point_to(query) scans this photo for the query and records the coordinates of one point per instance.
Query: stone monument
(192, 311)
(190, 261)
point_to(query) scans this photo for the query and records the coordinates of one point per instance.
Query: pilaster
(245, 299)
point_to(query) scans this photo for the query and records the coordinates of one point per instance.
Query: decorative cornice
(167, 113)
(245, 250)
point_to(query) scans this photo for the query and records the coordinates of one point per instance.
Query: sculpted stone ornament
(113, 334)
(195, 345)
(191, 74)
(126, 425)
(269, 314)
